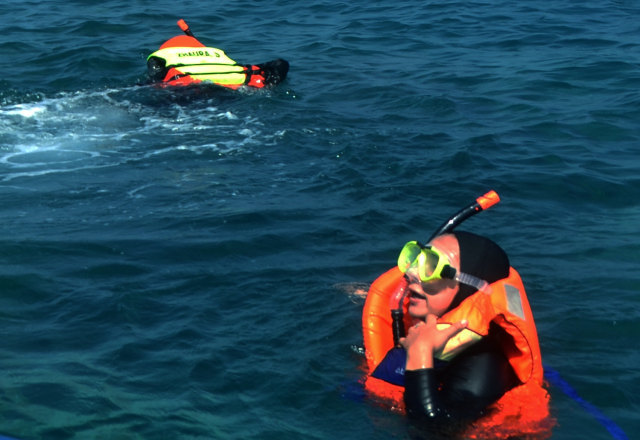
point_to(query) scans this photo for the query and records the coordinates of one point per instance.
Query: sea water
(186, 263)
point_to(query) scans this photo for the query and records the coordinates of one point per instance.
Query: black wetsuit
(447, 396)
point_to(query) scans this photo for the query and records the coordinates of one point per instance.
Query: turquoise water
(184, 264)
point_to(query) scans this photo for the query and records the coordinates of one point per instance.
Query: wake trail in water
(91, 129)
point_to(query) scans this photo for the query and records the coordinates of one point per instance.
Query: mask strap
(473, 281)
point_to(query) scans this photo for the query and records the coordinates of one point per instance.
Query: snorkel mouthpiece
(395, 304)
(397, 297)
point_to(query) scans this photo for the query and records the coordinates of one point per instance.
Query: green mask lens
(428, 263)
(408, 255)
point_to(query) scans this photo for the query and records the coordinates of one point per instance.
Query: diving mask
(427, 263)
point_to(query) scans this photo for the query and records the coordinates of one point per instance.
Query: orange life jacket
(521, 410)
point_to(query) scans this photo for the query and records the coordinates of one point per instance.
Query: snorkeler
(466, 352)
(183, 60)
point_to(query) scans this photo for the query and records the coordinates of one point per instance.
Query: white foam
(87, 129)
(24, 110)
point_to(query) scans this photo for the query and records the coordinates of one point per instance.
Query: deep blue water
(183, 263)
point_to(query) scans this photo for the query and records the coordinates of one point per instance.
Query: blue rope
(556, 380)
(355, 391)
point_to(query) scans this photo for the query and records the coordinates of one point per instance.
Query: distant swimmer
(450, 338)
(183, 60)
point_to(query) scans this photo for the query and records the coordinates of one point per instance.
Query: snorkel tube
(480, 204)
(396, 301)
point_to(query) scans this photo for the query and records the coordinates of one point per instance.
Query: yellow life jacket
(201, 64)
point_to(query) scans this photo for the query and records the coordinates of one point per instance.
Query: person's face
(432, 297)
(435, 296)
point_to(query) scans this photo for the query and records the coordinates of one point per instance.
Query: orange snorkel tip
(185, 27)
(488, 200)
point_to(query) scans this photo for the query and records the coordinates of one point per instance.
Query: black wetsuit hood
(482, 258)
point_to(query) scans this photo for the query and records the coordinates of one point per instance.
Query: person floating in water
(183, 60)
(466, 354)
